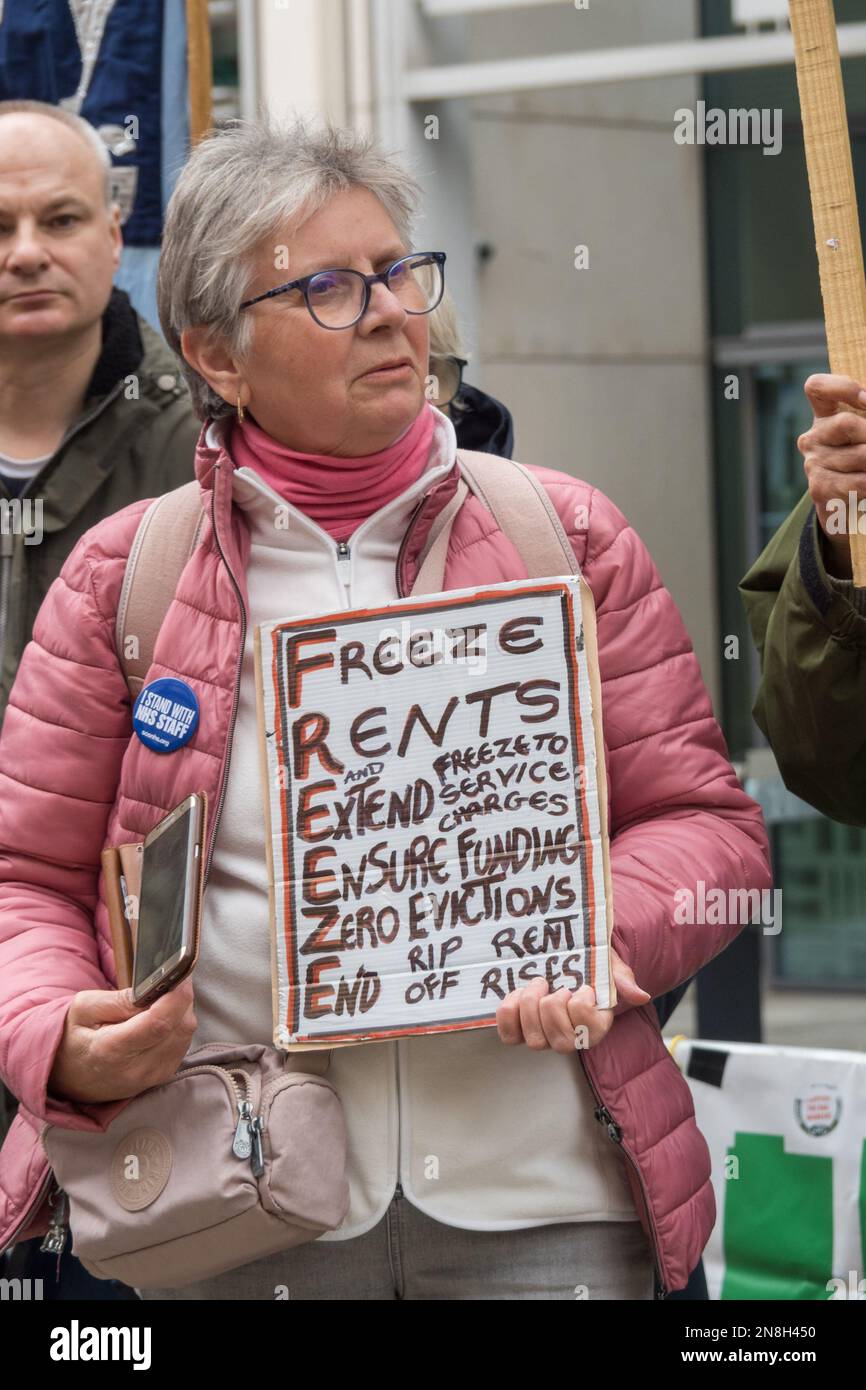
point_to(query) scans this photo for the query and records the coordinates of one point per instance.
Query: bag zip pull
(241, 1143)
(55, 1236)
(242, 1146)
(257, 1158)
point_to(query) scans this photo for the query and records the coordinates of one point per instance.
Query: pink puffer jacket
(73, 780)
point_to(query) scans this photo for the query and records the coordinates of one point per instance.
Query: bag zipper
(246, 1144)
(614, 1132)
(247, 1139)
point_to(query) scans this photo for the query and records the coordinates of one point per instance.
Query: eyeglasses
(339, 298)
(447, 374)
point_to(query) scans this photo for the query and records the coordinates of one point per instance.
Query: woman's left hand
(565, 1020)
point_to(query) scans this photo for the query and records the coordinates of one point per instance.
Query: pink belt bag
(235, 1158)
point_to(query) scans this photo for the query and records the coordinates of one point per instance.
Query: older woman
(290, 285)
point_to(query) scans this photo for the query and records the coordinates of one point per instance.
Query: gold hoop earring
(240, 410)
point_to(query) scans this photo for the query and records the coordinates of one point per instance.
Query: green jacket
(810, 630)
(134, 438)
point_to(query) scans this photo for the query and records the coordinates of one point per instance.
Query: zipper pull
(7, 544)
(55, 1236)
(242, 1146)
(257, 1161)
(344, 564)
(604, 1116)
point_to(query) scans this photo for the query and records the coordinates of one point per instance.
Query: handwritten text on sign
(433, 809)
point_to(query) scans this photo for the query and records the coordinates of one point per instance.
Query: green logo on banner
(778, 1223)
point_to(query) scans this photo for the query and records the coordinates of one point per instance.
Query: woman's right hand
(112, 1049)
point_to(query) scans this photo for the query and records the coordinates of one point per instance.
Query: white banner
(786, 1128)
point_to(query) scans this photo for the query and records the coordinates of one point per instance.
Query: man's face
(60, 243)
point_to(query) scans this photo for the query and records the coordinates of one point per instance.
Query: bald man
(93, 410)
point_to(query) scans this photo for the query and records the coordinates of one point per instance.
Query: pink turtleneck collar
(338, 492)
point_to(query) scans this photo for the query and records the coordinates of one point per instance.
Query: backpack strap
(166, 537)
(522, 509)
(431, 569)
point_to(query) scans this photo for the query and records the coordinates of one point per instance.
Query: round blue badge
(165, 715)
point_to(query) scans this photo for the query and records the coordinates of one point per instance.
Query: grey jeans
(409, 1255)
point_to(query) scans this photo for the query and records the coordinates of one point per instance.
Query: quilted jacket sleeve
(679, 817)
(66, 728)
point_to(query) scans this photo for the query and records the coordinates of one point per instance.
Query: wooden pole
(834, 202)
(199, 69)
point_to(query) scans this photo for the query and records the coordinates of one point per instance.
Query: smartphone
(169, 909)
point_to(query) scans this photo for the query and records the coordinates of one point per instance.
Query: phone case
(121, 936)
(123, 909)
(131, 857)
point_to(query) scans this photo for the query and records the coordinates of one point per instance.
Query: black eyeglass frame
(304, 282)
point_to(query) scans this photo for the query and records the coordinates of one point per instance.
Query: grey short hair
(78, 124)
(243, 183)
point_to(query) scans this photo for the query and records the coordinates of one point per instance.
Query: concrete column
(302, 58)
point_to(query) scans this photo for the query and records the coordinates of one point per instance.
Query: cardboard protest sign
(436, 804)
